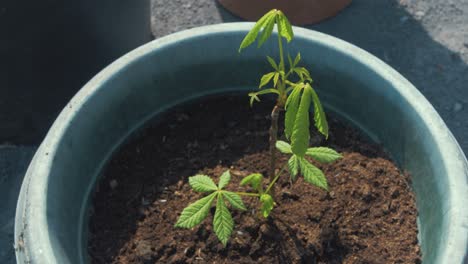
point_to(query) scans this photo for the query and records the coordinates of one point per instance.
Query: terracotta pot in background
(299, 12)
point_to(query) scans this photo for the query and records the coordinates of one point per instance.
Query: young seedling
(295, 95)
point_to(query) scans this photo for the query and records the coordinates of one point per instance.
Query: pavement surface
(13, 164)
(425, 40)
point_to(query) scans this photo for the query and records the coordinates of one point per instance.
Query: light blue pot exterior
(51, 220)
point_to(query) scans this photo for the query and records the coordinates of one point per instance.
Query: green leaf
(306, 74)
(222, 222)
(313, 174)
(303, 73)
(292, 105)
(254, 179)
(224, 179)
(267, 91)
(301, 134)
(266, 79)
(293, 166)
(319, 115)
(291, 65)
(196, 212)
(253, 33)
(253, 98)
(272, 63)
(254, 95)
(323, 154)
(202, 183)
(283, 146)
(235, 200)
(284, 27)
(267, 204)
(297, 59)
(275, 78)
(266, 33)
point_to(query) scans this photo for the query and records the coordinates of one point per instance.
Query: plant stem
(248, 194)
(276, 178)
(273, 139)
(280, 45)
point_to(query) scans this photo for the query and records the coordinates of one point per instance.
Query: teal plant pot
(51, 220)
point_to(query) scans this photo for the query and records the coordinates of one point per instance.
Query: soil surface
(369, 215)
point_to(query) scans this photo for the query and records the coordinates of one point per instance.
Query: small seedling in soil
(293, 87)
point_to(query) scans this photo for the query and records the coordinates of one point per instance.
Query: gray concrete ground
(425, 40)
(13, 164)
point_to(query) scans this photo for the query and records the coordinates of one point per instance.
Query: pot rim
(32, 200)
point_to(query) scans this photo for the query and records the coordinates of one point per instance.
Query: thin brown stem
(273, 139)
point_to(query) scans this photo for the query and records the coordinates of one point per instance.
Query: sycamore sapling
(295, 95)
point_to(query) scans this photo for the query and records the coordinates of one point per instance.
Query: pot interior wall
(171, 74)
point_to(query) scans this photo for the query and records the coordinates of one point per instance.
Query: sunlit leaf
(293, 166)
(291, 65)
(275, 78)
(323, 154)
(267, 204)
(284, 27)
(272, 63)
(300, 134)
(196, 212)
(283, 146)
(266, 79)
(319, 115)
(297, 59)
(222, 222)
(253, 98)
(235, 200)
(224, 179)
(313, 174)
(202, 183)
(266, 33)
(253, 33)
(254, 179)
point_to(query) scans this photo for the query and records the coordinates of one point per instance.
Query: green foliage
(284, 27)
(266, 33)
(273, 63)
(301, 134)
(312, 174)
(319, 115)
(254, 179)
(323, 154)
(235, 200)
(293, 166)
(266, 24)
(253, 33)
(254, 95)
(295, 94)
(202, 183)
(292, 106)
(196, 212)
(224, 179)
(222, 222)
(266, 79)
(267, 204)
(284, 147)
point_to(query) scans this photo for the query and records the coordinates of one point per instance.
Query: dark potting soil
(368, 216)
